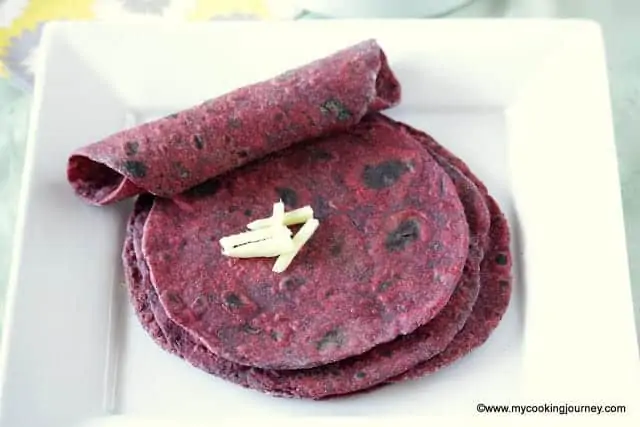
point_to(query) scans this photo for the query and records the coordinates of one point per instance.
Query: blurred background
(21, 23)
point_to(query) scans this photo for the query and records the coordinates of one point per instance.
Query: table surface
(618, 19)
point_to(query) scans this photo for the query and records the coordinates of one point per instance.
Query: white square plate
(525, 103)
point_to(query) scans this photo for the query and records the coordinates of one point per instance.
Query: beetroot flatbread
(345, 376)
(168, 156)
(356, 283)
(355, 373)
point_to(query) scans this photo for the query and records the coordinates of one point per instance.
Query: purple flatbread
(170, 155)
(355, 285)
(372, 367)
(335, 379)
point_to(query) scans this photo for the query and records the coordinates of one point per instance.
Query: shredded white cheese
(277, 218)
(301, 237)
(271, 247)
(270, 237)
(253, 236)
(296, 216)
